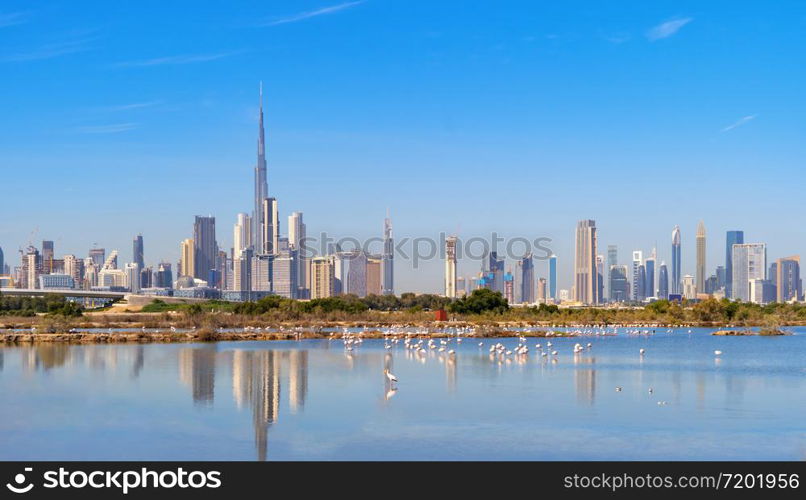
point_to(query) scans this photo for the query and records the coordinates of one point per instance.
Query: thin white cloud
(313, 13)
(13, 18)
(49, 51)
(743, 120)
(667, 29)
(113, 128)
(173, 60)
(131, 106)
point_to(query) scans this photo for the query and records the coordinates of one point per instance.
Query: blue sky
(519, 117)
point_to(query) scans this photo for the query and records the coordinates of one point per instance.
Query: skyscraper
(637, 276)
(600, 273)
(749, 262)
(649, 278)
(357, 274)
(526, 279)
(585, 279)
(297, 242)
(98, 256)
(676, 277)
(242, 235)
(493, 268)
(187, 258)
(612, 260)
(700, 270)
(387, 260)
(270, 227)
(261, 183)
(205, 249)
(553, 277)
(450, 266)
(2, 262)
(663, 282)
(619, 284)
(137, 251)
(787, 279)
(322, 277)
(732, 238)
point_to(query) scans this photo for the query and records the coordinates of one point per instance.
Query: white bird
(618, 389)
(717, 353)
(391, 378)
(651, 390)
(642, 351)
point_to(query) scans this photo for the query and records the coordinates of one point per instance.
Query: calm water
(312, 399)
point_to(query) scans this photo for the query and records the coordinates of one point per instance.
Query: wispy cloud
(312, 13)
(131, 106)
(13, 18)
(743, 120)
(667, 29)
(173, 60)
(112, 128)
(50, 50)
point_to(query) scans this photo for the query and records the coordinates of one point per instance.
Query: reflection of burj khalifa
(256, 383)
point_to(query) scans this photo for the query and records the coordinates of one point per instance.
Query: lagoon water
(313, 400)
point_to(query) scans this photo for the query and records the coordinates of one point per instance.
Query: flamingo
(391, 378)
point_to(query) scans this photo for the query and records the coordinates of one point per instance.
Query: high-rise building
(787, 279)
(509, 287)
(138, 256)
(163, 277)
(649, 278)
(31, 268)
(187, 258)
(721, 278)
(585, 278)
(322, 277)
(270, 229)
(700, 270)
(612, 260)
(74, 268)
(261, 183)
(637, 278)
(541, 290)
(600, 274)
(676, 261)
(749, 262)
(450, 266)
(98, 256)
(619, 284)
(493, 268)
(2, 262)
(132, 273)
(689, 287)
(205, 247)
(284, 274)
(732, 238)
(553, 277)
(297, 241)
(388, 262)
(357, 274)
(663, 282)
(374, 276)
(525, 274)
(47, 257)
(242, 234)
(242, 270)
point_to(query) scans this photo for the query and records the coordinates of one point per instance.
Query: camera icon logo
(19, 481)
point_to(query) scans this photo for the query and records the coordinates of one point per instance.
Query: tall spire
(261, 184)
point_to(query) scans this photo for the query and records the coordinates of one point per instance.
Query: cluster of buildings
(745, 275)
(262, 261)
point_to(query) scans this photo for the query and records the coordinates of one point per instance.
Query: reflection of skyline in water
(585, 379)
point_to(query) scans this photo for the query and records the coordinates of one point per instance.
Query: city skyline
(114, 137)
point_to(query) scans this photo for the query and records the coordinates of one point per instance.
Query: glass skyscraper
(553, 277)
(732, 238)
(676, 263)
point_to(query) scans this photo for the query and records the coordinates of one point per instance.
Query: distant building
(553, 277)
(242, 234)
(132, 272)
(612, 260)
(787, 280)
(56, 281)
(374, 276)
(138, 254)
(585, 277)
(270, 231)
(493, 268)
(649, 275)
(98, 256)
(541, 290)
(700, 269)
(732, 238)
(619, 284)
(689, 287)
(163, 276)
(761, 291)
(205, 248)
(450, 266)
(600, 274)
(323, 277)
(357, 274)
(187, 258)
(388, 259)
(74, 268)
(749, 262)
(525, 280)
(676, 262)
(509, 287)
(663, 282)
(284, 274)
(637, 278)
